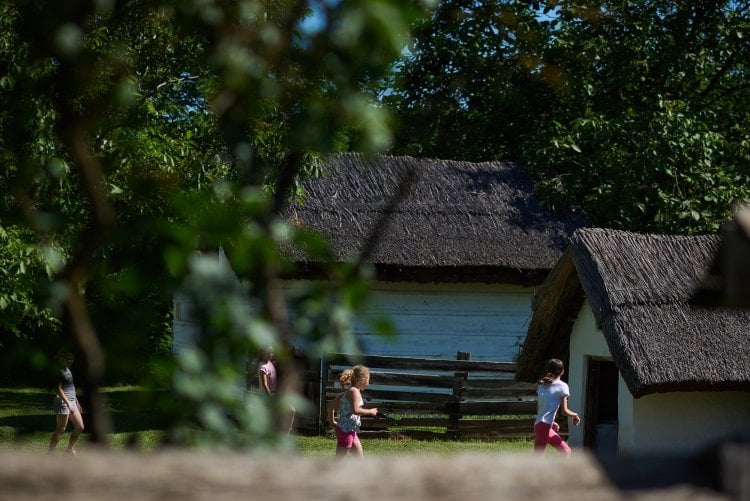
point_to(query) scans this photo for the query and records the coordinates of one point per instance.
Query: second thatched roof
(639, 287)
(456, 221)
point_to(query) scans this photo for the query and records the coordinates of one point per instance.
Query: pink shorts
(345, 439)
(544, 434)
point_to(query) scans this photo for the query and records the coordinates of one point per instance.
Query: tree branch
(717, 77)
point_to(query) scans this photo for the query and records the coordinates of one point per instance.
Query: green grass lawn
(27, 422)
(326, 446)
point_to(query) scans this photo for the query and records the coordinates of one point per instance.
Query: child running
(350, 407)
(66, 406)
(552, 394)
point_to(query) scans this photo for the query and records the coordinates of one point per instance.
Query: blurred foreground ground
(103, 475)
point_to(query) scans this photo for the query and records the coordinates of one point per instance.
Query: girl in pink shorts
(552, 395)
(349, 407)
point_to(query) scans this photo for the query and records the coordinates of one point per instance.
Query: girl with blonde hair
(349, 406)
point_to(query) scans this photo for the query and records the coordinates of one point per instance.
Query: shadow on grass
(29, 423)
(13, 401)
(27, 412)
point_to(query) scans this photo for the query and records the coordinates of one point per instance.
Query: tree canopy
(636, 111)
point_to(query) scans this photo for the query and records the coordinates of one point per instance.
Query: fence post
(454, 416)
(322, 378)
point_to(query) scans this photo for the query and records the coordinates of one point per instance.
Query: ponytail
(555, 368)
(346, 377)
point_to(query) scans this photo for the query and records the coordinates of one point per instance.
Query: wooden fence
(431, 398)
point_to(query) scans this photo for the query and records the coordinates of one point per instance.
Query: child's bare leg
(61, 422)
(77, 419)
(357, 448)
(292, 412)
(341, 452)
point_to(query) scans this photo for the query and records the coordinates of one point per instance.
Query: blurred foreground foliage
(143, 140)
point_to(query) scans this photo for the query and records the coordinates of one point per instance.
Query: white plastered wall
(675, 422)
(587, 340)
(680, 422)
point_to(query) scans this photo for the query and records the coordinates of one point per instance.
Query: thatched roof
(639, 287)
(458, 221)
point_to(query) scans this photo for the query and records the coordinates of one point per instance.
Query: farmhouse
(648, 371)
(458, 249)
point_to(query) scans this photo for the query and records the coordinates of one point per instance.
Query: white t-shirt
(548, 400)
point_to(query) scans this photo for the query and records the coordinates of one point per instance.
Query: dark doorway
(600, 432)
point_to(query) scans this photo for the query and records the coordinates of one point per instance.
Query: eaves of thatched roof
(457, 221)
(639, 287)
